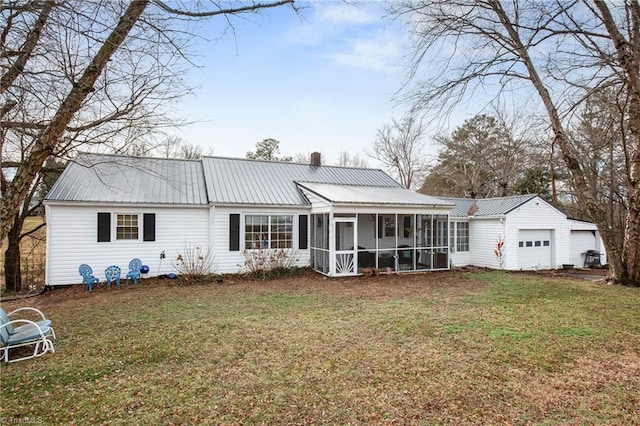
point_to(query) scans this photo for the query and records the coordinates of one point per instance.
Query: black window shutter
(234, 232)
(104, 227)
(380, 226)
(302, 232)
(149, 227)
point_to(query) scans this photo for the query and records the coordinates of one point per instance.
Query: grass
(442, 348)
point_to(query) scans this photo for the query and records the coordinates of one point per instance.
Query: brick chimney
(315, 159)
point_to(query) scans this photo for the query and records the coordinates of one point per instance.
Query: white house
(106, 209)
(536, 235)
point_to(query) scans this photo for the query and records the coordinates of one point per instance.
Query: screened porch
(344, 244)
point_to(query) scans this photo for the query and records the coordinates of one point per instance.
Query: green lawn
(441, 348)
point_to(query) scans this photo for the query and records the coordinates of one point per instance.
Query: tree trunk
(628, 53)
(48, 139)
(625, 264)
(12, 273)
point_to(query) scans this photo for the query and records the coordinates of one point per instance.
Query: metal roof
(241, 181)
(352, 194)
(486, 206)
(120, 179)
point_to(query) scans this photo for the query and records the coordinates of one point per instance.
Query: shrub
(270, 263)
(195, 263)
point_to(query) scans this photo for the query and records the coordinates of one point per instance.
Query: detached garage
(536, 235)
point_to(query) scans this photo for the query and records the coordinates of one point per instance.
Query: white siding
(233, 261)
(318, 205)
(483, 238)
(72, 240)
(461, 258)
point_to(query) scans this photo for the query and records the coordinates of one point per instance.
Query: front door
(345, 247)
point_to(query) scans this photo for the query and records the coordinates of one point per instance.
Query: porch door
(345, 247)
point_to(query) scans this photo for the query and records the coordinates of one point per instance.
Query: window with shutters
(127, 226)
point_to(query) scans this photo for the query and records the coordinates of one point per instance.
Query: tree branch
(32, 40)
(232, 10)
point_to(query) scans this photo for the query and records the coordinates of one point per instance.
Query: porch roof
(372, 195)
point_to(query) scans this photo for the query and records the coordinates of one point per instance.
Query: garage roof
(465, 207)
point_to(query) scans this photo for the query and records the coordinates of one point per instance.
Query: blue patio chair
(134, 270)
(87, 277)
(113, 273)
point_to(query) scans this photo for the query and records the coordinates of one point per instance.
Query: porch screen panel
(441, 239)
(389, 231)
(423, 230)
(319, 249)
(367, 231)
(406, 230)
(441, 231)
(322, 231)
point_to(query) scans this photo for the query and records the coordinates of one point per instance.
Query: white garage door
(534, 249)
(581, 241)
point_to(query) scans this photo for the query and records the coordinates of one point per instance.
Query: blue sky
(321, 81)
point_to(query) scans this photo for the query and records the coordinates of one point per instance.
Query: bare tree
(561, 51)
(176, 147)
(79, 75)
(301, 157)
(597, 140)
(351, 160)
(400, 147)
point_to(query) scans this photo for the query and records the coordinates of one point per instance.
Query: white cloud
(345, 14)
(350, 34)
(381, 52)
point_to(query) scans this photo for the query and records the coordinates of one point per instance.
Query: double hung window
(268, 231)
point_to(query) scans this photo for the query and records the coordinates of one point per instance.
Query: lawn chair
(113, 273)
(134, 270)
(87, 277)
(22, 332)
